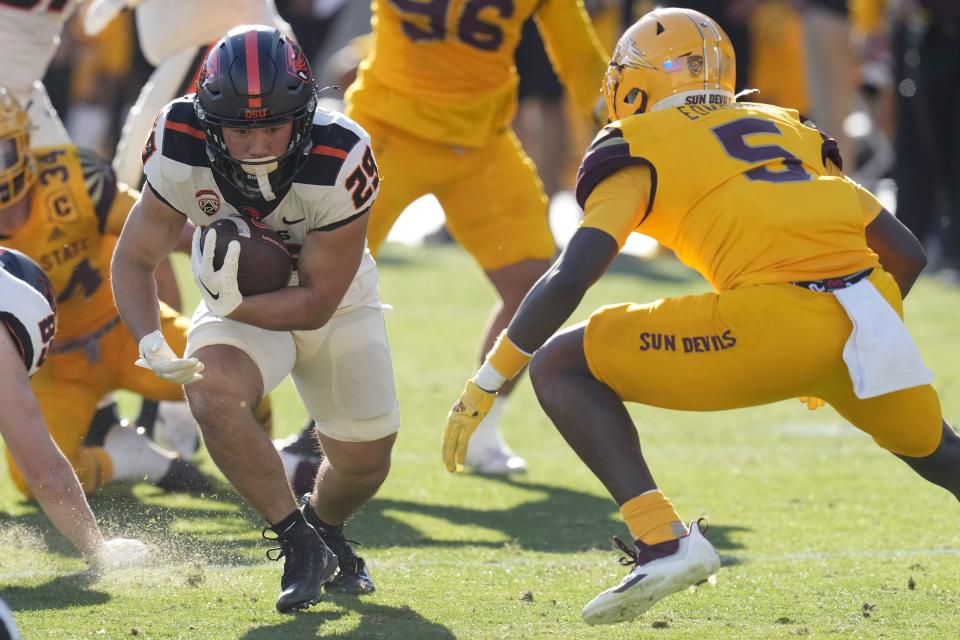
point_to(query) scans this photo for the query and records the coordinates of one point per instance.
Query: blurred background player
(175, 36)
(27, 326)
(253, 140)
(64, 209)
(804, 262)
(437, 94)
(29, 37)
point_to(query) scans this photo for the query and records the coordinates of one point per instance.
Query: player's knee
(369, 472)
(214, 404)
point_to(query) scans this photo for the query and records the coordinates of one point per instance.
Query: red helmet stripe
(253, 68)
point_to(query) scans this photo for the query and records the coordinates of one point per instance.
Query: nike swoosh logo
(285, 221)
(215, 296)
(629, 583)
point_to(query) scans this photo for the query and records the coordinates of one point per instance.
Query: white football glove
(100, 13)
(156, 355)
(219, 289)
(118, 553)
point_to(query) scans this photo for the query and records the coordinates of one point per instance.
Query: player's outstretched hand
(119, 553)
(219, 288)
(812, 403)
(463, 419)
(156, 355)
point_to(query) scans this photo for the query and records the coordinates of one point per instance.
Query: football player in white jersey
(175, 36)
(252, 141)
(27, 326)
(29, 36)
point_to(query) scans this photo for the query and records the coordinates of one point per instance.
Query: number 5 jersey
(744, 193)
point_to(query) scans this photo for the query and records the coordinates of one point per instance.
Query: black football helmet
(255, 76)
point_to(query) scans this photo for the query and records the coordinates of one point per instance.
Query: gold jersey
(77, 210)
(443, 69)
(744, 193)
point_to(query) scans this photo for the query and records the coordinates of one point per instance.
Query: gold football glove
(812, 403)
(463, 419)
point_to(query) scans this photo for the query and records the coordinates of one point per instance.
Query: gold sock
(652, 518)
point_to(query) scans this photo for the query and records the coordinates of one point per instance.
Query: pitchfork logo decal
(297, 65)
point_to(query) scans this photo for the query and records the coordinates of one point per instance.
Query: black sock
(289, 522)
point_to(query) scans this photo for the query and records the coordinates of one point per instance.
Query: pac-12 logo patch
(208, 201)
(695, 65)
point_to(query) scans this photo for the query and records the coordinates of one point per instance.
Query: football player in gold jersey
(62, 206)
(437, 95)
(808, 273)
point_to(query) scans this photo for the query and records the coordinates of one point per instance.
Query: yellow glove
(463, 419)
(812, 403)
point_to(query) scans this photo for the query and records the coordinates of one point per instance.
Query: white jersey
(26, 307)
(338, 183)
(29, 36)
(167, 26)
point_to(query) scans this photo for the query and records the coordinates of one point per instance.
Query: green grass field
(821, 533)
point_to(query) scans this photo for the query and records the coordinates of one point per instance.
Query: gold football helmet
(669, 57)
(17, 171)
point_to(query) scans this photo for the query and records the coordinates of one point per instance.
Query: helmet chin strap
(261, 169)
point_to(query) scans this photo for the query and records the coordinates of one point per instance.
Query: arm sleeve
(618, 203)
(574, 50)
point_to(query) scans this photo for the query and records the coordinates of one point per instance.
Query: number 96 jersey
(337, 184)
(27, 307)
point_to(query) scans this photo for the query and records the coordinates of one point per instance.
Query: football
(265, 263)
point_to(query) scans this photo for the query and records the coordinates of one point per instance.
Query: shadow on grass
(563, 521)
(376, 621)
(74, 590)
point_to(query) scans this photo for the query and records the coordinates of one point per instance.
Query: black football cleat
(184, 477)
(308, 564)
(353, 578)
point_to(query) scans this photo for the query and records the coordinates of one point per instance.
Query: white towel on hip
(880, 353)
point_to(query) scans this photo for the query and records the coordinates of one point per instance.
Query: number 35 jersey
(337, 184)
(744, 193)
(77, 209)
(443, 69)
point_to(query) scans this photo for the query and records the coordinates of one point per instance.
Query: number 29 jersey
(744, 193)
(443, 70)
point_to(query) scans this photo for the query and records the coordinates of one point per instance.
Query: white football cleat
(176, 430)
(658, 571)
(494, 461)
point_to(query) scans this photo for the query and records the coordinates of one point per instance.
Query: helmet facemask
(17, 169)
(265, 177)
